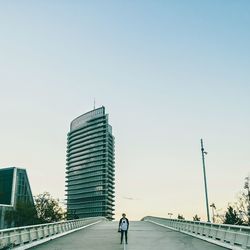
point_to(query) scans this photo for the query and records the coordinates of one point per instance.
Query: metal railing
(228, 236)
(29, 236)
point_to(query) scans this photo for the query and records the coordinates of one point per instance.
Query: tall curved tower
(90, 166)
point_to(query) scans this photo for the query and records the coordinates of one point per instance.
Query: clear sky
(168, 73)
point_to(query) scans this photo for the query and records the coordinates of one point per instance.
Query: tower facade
(90, 166)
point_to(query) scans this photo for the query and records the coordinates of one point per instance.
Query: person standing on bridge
(123, 228)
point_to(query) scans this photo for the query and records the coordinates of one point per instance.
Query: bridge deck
(142, 236)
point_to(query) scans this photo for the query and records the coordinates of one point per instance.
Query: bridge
(142, 235)
(151, 233)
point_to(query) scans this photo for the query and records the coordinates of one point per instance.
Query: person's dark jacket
(120, 222)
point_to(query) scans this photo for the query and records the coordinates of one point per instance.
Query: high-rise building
(14, 189)
(90, 166)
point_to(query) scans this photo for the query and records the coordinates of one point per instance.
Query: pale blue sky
(168, 73)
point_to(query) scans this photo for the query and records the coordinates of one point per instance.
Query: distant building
(90, 166)
(14, 188)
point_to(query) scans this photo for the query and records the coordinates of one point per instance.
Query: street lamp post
(213, 208)
(203, 152)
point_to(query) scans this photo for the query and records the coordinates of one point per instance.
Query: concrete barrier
(228, 236)
(21, 238)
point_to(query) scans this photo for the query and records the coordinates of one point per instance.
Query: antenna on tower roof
(94, 103)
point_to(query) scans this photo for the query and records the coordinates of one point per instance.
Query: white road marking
(124, 245)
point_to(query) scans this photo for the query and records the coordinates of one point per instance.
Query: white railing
(29, 236)
(229, 236)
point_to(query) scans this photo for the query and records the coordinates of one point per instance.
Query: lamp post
(203, 152)
(213, 208)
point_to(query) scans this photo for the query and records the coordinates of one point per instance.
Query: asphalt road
(141, 236)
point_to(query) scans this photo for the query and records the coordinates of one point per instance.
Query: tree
(24, 214)
(196, 218)
(180, 217)
(242, 204)
(48, 209)
(232, 217)
(247, 199)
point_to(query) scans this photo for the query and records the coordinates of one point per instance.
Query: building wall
(14, 188)
(6, 186)
(23, 190)
(90, 166)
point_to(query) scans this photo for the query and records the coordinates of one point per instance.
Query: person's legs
(126, 236)
(122, 232)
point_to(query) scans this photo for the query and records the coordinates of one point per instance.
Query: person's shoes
(126, 242)
(121, 243)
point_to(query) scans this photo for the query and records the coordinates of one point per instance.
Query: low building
(14, 189)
